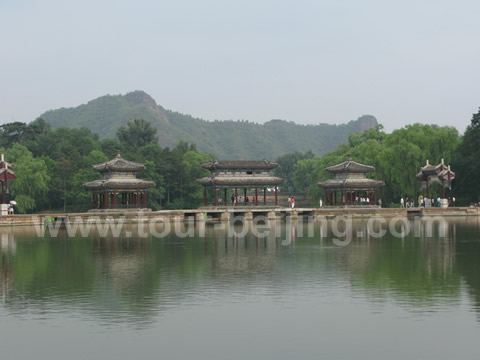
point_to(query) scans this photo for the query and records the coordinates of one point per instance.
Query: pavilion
(440, 173)
(240, 174)
(119, 187)
(350, 182)
(6, 175)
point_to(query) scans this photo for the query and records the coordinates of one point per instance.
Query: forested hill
(223, 139)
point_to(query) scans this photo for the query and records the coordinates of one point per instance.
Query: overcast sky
(300, 60)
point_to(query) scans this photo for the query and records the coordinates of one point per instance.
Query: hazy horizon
(303, 61)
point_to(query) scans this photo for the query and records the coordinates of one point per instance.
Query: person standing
(289, 200)
(453, 201)
(293, 202)
(321, 203)
(402, 203)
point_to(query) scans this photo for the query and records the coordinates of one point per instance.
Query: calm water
(222, 297)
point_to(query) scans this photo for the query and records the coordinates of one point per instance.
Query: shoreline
(224, 214)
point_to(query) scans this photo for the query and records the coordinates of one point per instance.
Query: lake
(300, 291)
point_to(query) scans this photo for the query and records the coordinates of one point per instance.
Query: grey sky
(304, 61)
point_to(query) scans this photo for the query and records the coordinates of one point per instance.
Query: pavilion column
(225, 196)
(276, 195)
(94, 200)
(245, 196)
(428, 190)
(145, 199)
(375, 197)
(335, 197)
(215, 195)
(114, 200)
(264, 196)
(236, 196)
(256, 196)
(204, 196)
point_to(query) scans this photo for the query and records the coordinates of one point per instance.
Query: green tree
(32, 178)
(287, 166)
(467, 161)
(137, 133)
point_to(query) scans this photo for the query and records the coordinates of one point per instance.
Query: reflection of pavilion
(8, 243)
(350, 182)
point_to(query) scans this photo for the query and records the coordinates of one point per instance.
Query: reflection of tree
(468, 253)
(418, 270)
(128, 279)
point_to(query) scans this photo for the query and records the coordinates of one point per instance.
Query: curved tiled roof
(240, 164)
(6, 170)
(240, 180)
(351, 183)
(119, 164)
(350, 166)
(117, 183)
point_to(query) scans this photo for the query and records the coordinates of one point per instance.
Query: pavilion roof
(350, 166)
(6, 170)
(434, 170)
(118, 183)
(351, 183)
(240, 180)
(119, 164)
(240, 164)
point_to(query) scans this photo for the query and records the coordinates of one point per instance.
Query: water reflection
(133, 279)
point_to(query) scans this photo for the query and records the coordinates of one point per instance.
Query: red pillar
(276, 195)
(236, 196)
(215, 196)
(428, 190)
(145, 199)
(114, 200)
(256, 196)
(225, 200)
(264, 196)
(245, 196)
(375, 196)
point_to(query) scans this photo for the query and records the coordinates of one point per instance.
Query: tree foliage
(397, 158)
(53, 164)
(137, 133)
(467, 161)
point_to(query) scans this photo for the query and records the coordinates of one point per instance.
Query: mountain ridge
(229, 139)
